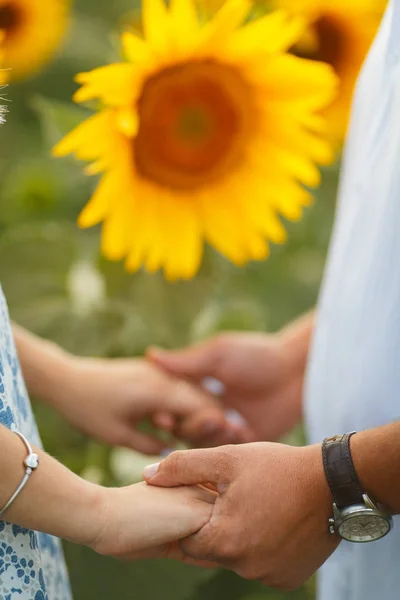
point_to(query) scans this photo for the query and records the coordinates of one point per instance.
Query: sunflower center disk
(9, 17)
(194, 120)
(329, 42)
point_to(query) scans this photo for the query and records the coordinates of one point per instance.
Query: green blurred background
(59, 287)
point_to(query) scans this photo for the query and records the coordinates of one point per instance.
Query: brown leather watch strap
(340, 472)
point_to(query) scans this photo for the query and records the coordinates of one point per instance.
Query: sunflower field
(168, 171)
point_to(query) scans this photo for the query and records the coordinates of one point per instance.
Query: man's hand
(108, 398)
(262, 375)
(270, 521)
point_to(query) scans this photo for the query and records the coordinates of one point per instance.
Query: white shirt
(354, 373)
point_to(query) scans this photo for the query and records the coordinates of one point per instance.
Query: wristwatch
(356, 517)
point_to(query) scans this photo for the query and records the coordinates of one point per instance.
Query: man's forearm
(376, 456)
(45, 365)
(297, 338)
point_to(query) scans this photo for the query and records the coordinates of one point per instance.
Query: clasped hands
(270, 515)
(260, 508)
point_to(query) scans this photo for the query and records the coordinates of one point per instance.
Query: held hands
(262, 376)
(108, 398)
(270, 519)
(140, 521)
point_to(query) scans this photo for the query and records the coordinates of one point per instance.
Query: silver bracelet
(31, 463)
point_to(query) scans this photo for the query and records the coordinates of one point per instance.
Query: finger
(196, 361)
(195, 406)
(206, 494)
(164, 420)
(203, 424)
(175, 552)
(203, 564)
(192, 467)
(146, 444)
(208, 431)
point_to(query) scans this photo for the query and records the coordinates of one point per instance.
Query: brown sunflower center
(194, 119)
(9, 17)
(330, 42)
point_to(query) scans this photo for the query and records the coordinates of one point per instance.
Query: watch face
(364, 527)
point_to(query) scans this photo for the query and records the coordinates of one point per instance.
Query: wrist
(60, 382)
(316, 484)
(295, 340)
(54, 500)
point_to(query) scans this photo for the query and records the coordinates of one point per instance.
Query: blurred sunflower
(4, 73)
(205, 134)
(31, 31)
(340, 33)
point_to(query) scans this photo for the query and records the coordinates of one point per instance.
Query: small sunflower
(31, 31)
(340, 33)
(206, 133)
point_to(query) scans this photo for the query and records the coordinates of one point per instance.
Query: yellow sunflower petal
(90, 140)
(225, 22)
(272, 33)
(300, 167)
(291, 134)
(156, 24)
(288, 78)
(134, 48)
(127, 121)
(184, 23)
(230, 231)
(97, 208)
(278, 158)
(116, 228)
(115, 85)
(183, 238)
(96, 167)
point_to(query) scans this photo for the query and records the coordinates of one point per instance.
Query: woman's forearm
(54, 500)
(131, 522)
(45, 366)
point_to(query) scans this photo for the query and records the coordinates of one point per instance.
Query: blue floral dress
(31, 563)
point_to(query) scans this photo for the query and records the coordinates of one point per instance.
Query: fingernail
(165, 452)
(210, 427)
(151, 470)
(213, 386)
(235, 418)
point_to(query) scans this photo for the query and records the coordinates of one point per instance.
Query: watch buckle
(368, 502)
(332, 520)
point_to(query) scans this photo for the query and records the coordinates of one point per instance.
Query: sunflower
(340, 33)
(205, 133)
(31, 31)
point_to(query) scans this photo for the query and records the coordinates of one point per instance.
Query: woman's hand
(108, 398)
(141, 521)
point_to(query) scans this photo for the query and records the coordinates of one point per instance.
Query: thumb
(192, 467)
(195, 361)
